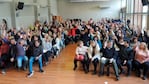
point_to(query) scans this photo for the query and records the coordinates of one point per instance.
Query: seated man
(13, 49)
(20, 56)
(125, 57)
(37, 55)
(109, 55)
(55, 44)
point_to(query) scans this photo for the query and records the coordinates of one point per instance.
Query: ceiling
(87, 0)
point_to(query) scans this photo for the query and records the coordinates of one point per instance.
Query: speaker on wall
(20, 5)
(145, 2)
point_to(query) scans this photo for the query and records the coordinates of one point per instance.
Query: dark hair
(95, 37)
(127, 41)
(1, 42)
(38, 42)
(4, 20)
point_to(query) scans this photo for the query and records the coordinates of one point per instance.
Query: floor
(60, 71)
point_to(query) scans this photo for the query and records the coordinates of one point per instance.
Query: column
(35, 10)
(13, 13)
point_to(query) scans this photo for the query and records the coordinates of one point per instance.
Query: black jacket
(37, 51)
(12, 51)
(109, 53)
(125, 53)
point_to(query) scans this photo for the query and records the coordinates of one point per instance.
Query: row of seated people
(110, 41)
(23, 49)
(134, 58)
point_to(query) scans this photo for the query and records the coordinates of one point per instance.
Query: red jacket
(4, 48)
(72, 32)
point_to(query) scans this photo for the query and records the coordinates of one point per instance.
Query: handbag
(79, 57)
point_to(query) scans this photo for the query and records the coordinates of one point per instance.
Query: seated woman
(47, 46)
(55, 44)
(98, 41)
(4, 57)
(134, 42)
(81, 55)
(94, 54)
(141, 60)
(109, 55)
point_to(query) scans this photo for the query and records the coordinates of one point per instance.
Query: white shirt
(81, 50)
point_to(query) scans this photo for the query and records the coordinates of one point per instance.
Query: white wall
(53, 7)
(43, 11)
(43, 15)
(25, 17)
(86, 10)
(5, 13)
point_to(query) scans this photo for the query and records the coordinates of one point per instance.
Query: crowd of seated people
(103, 43)
(41, 43)
(111, 42)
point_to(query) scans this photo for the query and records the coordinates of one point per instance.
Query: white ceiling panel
(87, 0)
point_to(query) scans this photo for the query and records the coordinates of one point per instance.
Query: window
(137, 13)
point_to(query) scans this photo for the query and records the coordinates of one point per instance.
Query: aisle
(60, 71)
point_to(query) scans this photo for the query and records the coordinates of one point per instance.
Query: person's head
(37, 43)
(109, 44)
(121, 40)
(126, 44)
(50, 33)
(18, 33)
(12, 41)
(9, 33)
(47, 38)
(96, 38)
(96, 29)
(143, 46)
(91, 31)
(36, 38)
(119, 31)
(24, 36)
(80, 43)
(135, 39)
(92, 43)
(54, 35)
(4, 21)
(21, 42)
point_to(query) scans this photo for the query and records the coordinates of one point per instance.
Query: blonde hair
(145, 46)
(79, 42)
